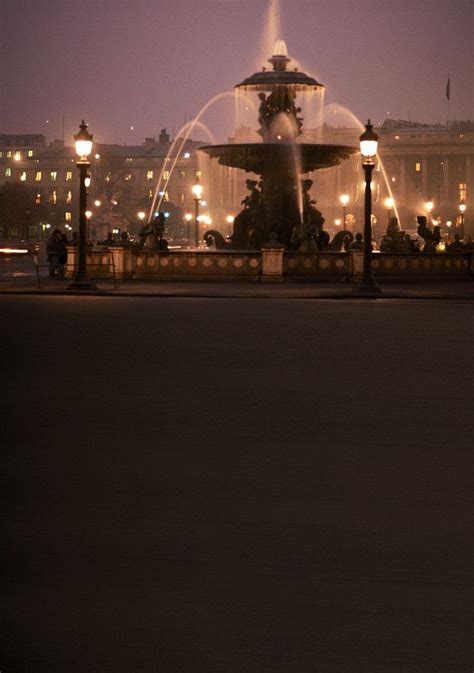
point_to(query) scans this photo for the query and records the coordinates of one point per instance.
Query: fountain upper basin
(260, 158)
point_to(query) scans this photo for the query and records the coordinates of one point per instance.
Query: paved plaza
(196, 485)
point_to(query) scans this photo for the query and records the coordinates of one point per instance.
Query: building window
(68, 216)
(149, 175)
(128, 176)
(8, 172)
(182, 175)
(38, 176)
(198, 175)
(462, 191)
(129, 160)
(181, 197)
(38, 199)
(9, 154)
(68, 176)
(69, 197)
(23, 176)
(54, 176)
(30, 153)
(166, 175)
(54, 198)
(418, 167)
(1, 154)
(166, 196)
(150, 193)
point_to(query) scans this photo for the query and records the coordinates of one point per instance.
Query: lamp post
(429, 205)
(368, 150)
(389, 203)
(197, 191)
(83, 141)
(27, 223)
(344, 199)
(462, 210)
(187, 218)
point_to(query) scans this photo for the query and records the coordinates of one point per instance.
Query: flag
(448, 87)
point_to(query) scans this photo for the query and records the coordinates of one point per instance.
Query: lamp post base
(82, 285)
(368, 289)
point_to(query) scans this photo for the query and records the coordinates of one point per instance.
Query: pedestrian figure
(54, 248)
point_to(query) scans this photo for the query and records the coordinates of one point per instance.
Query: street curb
(434, 296)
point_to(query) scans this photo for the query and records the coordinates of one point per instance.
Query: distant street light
(429, 205)
(197, 191)
(83, 141)
(462, 210)
(344, 199)
(389, 203)
(368, 150)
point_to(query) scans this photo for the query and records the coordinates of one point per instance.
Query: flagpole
(448, 97)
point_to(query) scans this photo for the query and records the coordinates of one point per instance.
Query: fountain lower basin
(260, 158)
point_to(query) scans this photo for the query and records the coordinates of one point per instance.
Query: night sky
(148, 64)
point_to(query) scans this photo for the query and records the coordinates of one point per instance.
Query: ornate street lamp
(83, 142)
(368, 150)
(344, 199)
(197, 191)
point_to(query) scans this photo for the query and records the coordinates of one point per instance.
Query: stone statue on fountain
(248, 223)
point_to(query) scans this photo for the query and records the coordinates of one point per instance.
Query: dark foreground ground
(236, 486)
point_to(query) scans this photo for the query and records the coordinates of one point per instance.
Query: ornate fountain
(280, 201)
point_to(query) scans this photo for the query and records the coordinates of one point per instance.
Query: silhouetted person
(358, 243)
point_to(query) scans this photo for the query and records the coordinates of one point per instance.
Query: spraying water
(186, 129)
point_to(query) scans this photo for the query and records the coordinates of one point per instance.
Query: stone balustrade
(268, 265)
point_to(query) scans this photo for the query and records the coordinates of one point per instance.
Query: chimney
(164, 137)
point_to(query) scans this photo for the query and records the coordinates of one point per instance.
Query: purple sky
(148, 63)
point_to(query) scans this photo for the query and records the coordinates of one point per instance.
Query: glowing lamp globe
(83, 142)
(197, 190)
(344, 199)
(368, 144)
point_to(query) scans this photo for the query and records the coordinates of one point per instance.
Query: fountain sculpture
(280, 201)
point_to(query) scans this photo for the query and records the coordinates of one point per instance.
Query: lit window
(149, 175)
(1, 154)
(17, 156)
(181, 197)
(9, 154)
(397, 137)
(128, 176)
(462, 191)
(54, 198)
(182, 175)
(418, 167)
(166, 196)
(8, 172)
(198, 175)
(68, 216)
(38, 176)
(69, 197)
(30, 153)
(129, 159)
(150, 193)
(166, 175)
(23, 176)
(68, 176)
(54, 176)
(38, 199)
